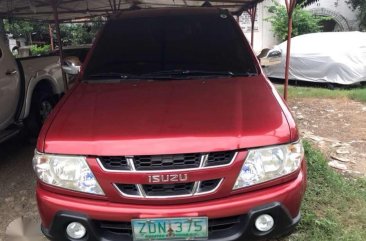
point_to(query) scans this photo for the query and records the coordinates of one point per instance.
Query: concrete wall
(263, 35)
(340, 11)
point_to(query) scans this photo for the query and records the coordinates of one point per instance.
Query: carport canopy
(56, 11)
(83, 9)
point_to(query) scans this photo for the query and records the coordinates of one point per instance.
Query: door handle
(11, 72)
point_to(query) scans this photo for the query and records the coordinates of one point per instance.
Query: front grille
(178, 189)
(209, 185)
(114, 163)
(220, 224)
(162, 162)
(168, 190)
(219, 158)
(115, 227)
(214, 225)
(128, 189)
(166, 162)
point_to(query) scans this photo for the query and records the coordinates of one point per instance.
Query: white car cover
(334, 57)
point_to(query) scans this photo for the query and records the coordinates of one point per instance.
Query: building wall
(339, 10)
(263, 35)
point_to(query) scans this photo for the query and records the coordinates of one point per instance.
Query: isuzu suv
(171, 133)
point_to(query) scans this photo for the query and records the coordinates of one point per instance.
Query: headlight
(70, 172)
(269, 163)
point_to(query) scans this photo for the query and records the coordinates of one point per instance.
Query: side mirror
(270, 57)
(71, 65)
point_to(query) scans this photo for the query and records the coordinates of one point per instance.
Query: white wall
(263, 35)
(340, 9)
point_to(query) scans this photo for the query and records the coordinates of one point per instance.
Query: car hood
(166, 117)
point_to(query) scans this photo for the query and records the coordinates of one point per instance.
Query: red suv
(171, 133)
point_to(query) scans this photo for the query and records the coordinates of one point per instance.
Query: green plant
(303, 21)
(80, 33)
(334, 207)
(40, 50)
(361, 6)
(26, 29)
(38, 32)
(358, 94)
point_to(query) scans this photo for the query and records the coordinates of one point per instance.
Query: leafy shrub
(303, 21)
(40, 50)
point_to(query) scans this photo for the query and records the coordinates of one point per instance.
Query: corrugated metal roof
(78, 9)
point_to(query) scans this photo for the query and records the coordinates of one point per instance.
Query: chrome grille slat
(130, 163)
(204, 158)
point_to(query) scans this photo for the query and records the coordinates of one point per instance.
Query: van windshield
(166, 45)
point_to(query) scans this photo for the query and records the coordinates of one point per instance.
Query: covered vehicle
(334, 57)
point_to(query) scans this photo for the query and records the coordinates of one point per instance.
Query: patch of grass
(358, 94)
(334, 206)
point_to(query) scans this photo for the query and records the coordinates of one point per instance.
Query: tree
(303, 21)
(26, 29)
(361, 6)
(71, 33)
(80, 33)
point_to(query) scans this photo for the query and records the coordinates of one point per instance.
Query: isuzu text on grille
(168, 178)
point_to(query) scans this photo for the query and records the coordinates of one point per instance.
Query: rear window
(145, 45)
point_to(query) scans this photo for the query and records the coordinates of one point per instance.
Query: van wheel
(42, 104)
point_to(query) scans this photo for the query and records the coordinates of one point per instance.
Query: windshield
(170, 44)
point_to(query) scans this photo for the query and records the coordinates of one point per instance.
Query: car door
(9, 86)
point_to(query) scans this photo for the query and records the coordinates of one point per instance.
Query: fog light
(264, 223)
(76, 230)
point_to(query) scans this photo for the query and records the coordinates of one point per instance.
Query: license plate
(170, 229)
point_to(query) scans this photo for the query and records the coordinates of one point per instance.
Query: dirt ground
(337, 126)
(17, 183)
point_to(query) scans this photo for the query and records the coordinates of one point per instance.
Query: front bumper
(238, 228)
(103, 218)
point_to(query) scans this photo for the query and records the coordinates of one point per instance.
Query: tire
(42, 104)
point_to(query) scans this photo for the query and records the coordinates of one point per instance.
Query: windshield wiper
(180, 72)
(123, 76)
(113, 75)
(167, 74)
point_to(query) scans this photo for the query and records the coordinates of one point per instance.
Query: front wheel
(42, 104)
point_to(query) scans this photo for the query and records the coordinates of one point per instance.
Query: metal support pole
(2, 30)
(287, 66)
(238, 18)
(51, 37)
(58, 34)
(252, 14)
(114, 6)
(290, 6)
